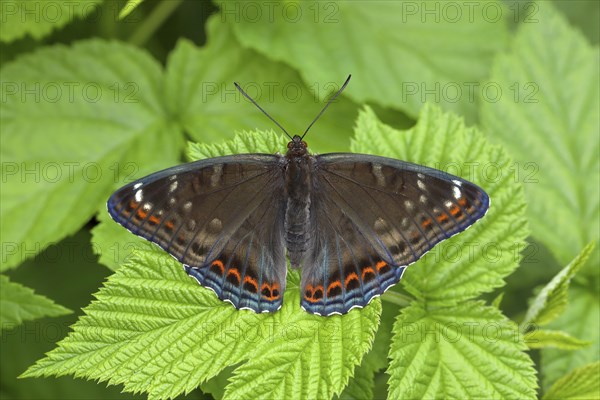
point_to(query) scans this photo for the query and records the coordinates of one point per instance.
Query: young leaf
(154, 329)
(552, 300)
(497, 300)
(477, 260)
(19, 303)
(582, 384)
(38, 19)
(267, 142)
(547, 117)
(128, 8)
(540, 338)
(408, 60)
(582, 320)
(200, 92)
(465, 351)
(94, 116)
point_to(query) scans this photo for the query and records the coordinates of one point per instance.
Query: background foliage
(96, 93)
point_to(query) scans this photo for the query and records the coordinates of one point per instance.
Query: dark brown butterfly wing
(222, 218)
(373, 216)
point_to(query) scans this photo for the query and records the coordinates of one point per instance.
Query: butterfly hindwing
(221, 218)
(374, 216)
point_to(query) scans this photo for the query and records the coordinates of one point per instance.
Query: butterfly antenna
(327, 105)
(260, 108)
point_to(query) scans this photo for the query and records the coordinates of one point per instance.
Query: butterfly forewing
(373, 217)
(222, 218)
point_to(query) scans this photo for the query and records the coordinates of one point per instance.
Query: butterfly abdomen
(297, 213)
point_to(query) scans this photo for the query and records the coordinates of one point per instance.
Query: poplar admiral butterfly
(351, 222)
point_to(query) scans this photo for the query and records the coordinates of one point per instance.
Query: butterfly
(352, 223)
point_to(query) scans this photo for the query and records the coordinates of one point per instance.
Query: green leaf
(128, 8)
(200, 93)
(245, 142)
(416, 51)
(38, 19)
(497, 300)
(583, 17)
(582, 320)
(313, 358)
(551, 127)
(582, 383)
(477, 260)
(547, 117)
(540, 338)
(552, 300)
(19, 303)
(362, 383)
(153, 329)
(466, 351)
(113, 244)
(77, 122)
(215, 386)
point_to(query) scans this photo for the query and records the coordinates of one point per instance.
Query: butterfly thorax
(297, 191)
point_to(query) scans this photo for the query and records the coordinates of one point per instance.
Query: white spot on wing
(421, 185)
(173, 186)
(457, 182)
(376, 170)
(404, 223)
(456, 191)
(423, 198)
(408, 205)
(139, 196)
(137, 185)
(216, 175)
(215, 226)
(187, 206)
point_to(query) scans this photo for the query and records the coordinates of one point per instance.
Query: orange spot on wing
(454, 210)
(219, 264)
(311, 291)
(154, 219)
(442, 218)
(351, 276)
(462, 201)
(251, 281)
(317, 289)
(426, 223)
(367, 270)
(169, 224)
(141, 214)
(273, 291)
(333, 285)
(380, 264)
(234, 272)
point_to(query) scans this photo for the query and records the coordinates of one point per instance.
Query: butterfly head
(297, 147)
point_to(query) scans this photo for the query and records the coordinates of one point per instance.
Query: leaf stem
(158, 15)
(399, 299)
